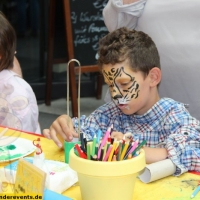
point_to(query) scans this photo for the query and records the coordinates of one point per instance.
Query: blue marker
(99, 133)
(195, 192)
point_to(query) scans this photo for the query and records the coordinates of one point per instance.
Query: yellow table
(170, 188)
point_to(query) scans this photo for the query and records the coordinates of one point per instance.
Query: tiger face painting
(129, 89)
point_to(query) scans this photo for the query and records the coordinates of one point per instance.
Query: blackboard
(87, 28)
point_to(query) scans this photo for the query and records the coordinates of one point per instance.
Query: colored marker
(139, 147)
(102, 153)
(124, 150)
(195, 192)
(114, 158)
(94, 157)
(132, 148)
(108, 153)
(88, 152)
(82, 142)
(112, 140)
(94, 145)
(103, 142)
(96, 148)
(119, 150)
(85, 143)
(105, 149)
(111, 128)
(99, 133)
(113, 149)
(128, 149)
(80, 152)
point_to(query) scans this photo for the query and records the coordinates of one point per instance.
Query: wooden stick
(79, 86)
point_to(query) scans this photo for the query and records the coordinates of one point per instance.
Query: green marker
(94, 145)
(88, 152)
(139, 147)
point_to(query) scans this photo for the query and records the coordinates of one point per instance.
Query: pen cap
(107, 180)
(68, 146)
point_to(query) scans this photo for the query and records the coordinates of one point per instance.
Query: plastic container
(107, 180)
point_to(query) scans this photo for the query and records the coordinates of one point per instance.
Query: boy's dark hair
(134, 46)
(7, 43)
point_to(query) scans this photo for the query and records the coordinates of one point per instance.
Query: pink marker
(134, 146)
(103, 142)
(108, 153)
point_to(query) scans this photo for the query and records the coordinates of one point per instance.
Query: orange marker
(114, 158)
(129, 156)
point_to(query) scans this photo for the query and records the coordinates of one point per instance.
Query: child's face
(130, 90)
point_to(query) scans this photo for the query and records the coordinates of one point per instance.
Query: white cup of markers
(107, 149)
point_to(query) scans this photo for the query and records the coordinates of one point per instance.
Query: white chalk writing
(81, 39)
(86, 17)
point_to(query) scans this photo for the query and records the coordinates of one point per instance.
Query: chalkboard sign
(87, 28)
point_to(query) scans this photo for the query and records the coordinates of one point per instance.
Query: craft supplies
(107, 180)
(105, 150)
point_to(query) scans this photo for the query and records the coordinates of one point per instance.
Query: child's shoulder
(168, 103)
(13, 84)
(8, 76)
(174, 110)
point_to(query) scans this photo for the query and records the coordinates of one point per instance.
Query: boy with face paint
(130, 64)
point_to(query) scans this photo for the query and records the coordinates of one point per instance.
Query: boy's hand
(60, 130)
(117, 135)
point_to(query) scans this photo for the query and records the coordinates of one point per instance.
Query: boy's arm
(155, 154)
(118, 13)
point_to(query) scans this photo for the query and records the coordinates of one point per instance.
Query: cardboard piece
(29, 179)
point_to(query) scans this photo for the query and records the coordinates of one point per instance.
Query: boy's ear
(155, 76)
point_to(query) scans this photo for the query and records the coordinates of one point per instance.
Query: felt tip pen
(88, 152)
(139, 147)
(128, 150)
(108, 153)
(85, 143)
(195, 192)
(94, 144)
(111, 130)
(112, 151)
(103, 142)
(124, 150)
(80, 152)
(119, 150)
(94, 157)
(102, 153)
(129, 156)
(135, 144)
(99, 133)
(105, 148)
(114, 158)
(82, 142)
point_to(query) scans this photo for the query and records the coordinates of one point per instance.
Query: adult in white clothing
(174, 26)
